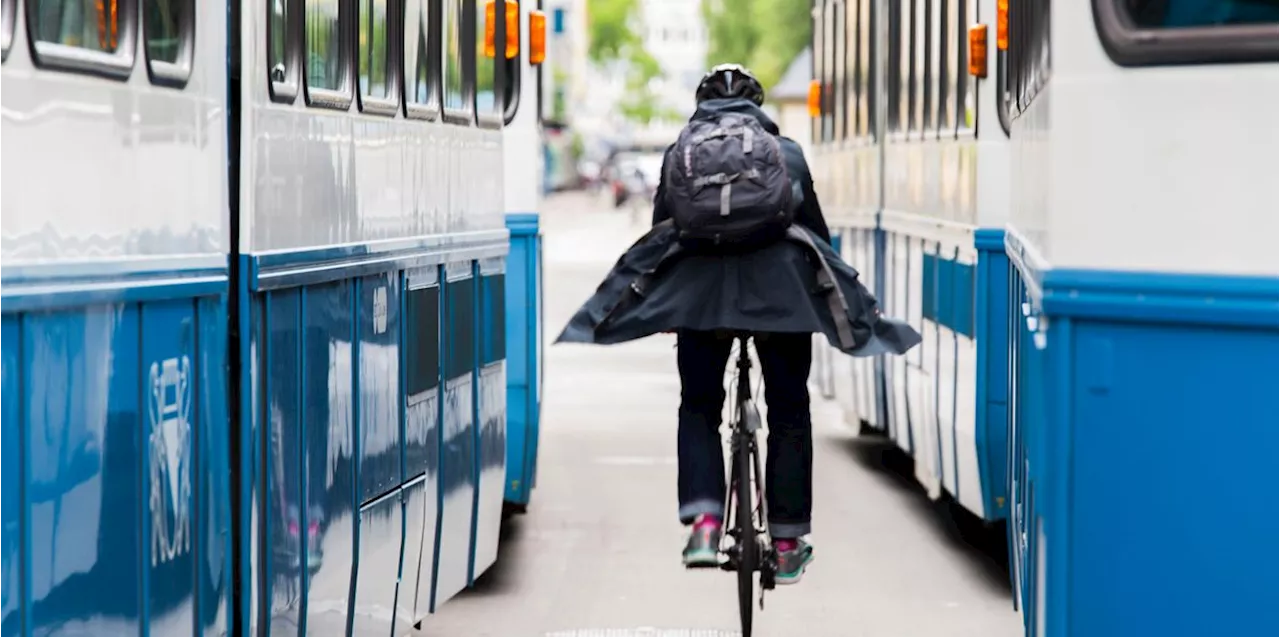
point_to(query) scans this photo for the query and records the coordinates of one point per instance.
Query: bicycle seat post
(744, 367)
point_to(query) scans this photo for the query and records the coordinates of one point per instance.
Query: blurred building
(676, 37)
(790, 101)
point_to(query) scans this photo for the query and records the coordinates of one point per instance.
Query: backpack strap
(828, 287)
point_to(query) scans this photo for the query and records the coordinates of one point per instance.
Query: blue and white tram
(1143, 316)
(900, 132)
(1092, 243)
(255, 309)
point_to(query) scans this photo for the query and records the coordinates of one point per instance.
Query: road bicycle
(751, 549)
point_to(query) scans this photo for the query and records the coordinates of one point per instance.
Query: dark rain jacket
(659, 285)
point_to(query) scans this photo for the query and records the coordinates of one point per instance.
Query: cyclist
(785, 358)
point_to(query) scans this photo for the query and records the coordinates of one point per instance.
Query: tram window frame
(490, 118)
(913, 67)
(371, 104)
(828, 75)
(1130, 45)
(871, 62)
(539, 107)
(893, 63)
(816, 38)
(513, 69)
(9, 16)
(117, 64)
(429, 34)
(285, 88)
(839, 132)
(172, 74)
(853, 69)
(948, 63)
(932, 49)
(465, 114)
(965, 88)
(1025, 67)
(323, 97)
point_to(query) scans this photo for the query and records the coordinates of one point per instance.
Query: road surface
(598, 553)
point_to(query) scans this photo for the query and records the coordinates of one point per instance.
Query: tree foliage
(612, 39)
(610, 29)
(763, 35)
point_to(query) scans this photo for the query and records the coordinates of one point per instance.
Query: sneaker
(793, 561)
(703, 548)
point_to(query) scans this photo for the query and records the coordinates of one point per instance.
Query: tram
(1076, 203)
(901, 130)
(270, 310)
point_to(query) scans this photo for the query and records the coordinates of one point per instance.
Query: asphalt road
(598, 553)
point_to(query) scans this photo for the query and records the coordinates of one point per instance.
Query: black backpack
(727, 184)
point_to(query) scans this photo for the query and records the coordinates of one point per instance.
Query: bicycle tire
(748, 553)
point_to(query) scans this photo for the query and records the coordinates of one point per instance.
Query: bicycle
(752, 549)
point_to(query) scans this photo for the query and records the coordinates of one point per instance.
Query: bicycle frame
(746, 423)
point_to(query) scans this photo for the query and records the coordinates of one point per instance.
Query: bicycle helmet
(730, 80)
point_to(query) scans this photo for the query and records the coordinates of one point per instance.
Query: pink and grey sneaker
(703, 548)
(794, 555)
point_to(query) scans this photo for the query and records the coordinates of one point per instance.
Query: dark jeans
(785, 361)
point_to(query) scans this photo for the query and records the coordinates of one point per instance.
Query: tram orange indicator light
(537, 37)
(510, 13)
(815, 98)
(978, 50)
(513, 28)
(490, 28)
(1002, 25)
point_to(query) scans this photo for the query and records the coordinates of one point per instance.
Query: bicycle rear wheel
(748, 547)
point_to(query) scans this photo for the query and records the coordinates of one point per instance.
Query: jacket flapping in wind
(797, 284)
(658, 285)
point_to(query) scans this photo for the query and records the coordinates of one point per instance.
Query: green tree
(640, 105)
(610, 29)
(763, 35)
(612, 38)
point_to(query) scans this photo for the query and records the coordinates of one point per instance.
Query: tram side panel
(1143, 358)
(491, 427)
(113, 300)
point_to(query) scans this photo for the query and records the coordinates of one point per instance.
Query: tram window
(6, 25)
(374, 49)
(828, 73)
(915, 64)
(1163, 14)
(1027, 60)
(486, 76)
(870, 67)
(1145, 32)
(163, 24)
(84, 24)
(893, 81)
(837, 70)
(324, 45)
(278, 61)
(945, 76)
(167, 29)
(964, 98)
(453, 68)
(853, 71)
(934, 35)
(512, 72)
(818, 66)
(422, 57)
